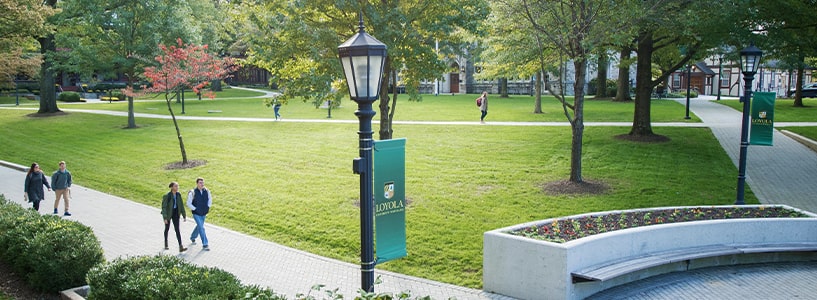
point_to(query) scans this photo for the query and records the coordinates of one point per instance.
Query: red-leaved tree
(184, 66)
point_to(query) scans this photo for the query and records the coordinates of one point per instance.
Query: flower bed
(561, 230)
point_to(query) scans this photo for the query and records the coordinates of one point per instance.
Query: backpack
(479, 101)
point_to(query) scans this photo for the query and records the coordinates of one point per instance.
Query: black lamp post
(720, 74)
(689, 79)
(749, 61)
(362, 57)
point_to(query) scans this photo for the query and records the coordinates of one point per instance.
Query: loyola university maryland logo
(388, 190)
(761, 114)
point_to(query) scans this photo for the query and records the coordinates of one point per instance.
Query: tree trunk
(503, 87)
(601, 78)
(623, 90)
(178, 132)
(798, 95)
(643, 86)
(580, 65)
(48, 94)
(385, 123)
(215, 85)
(537, 106)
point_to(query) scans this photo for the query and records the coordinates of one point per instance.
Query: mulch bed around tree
(189, 165)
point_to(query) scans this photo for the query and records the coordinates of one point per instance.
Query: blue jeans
(199, 230)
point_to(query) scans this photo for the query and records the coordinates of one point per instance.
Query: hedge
(69, 97)
(53, 254)
(167, 277)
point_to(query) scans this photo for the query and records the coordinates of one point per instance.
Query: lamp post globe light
(749, 62)
(362, 58)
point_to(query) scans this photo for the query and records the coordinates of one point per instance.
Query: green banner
(762, 119)
(390, 199)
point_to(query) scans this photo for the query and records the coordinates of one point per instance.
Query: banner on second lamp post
(390, 199)
(762, 119)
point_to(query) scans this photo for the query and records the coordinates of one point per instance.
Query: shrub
(54, 254)
(69, 97)
(612, 87)
(167, 277)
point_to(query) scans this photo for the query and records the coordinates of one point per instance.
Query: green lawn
(809, 132)
(225, 93)
(431, 108)
(13, 100)
(292, 183)
(784, 111)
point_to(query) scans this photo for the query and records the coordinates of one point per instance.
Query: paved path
(779, 174)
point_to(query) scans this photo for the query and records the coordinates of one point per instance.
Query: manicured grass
(809, 132)
(431, 108)
(784, 111)
(13, 100)
(292, 183)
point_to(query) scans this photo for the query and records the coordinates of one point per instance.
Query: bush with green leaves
(167, 277)
(54, 254)
(69, 97)
(612, 87)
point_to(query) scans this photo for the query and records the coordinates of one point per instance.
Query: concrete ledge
(77, 293)
(803, 140)
(526, 268)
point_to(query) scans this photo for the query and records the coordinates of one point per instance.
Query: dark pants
(484, 113)
(36, 205)
(174, 218)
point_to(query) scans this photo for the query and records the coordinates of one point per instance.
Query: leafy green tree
(297, 44)
(20, 23)
(112, 38)
(515, 49)
(786, 30)
(573, 29)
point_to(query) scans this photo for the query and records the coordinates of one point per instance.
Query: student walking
(276, 108)
(61, 182)
(199, 201)
(172, 207)
(483, 107)
(35, 180)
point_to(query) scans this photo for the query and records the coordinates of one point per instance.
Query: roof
(702, 66)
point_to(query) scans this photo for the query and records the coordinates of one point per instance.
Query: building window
(725, 78)
(676, 80)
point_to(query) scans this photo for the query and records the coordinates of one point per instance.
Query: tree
(785, 30)
(21, 21)
(297, 44)
(181, 67)
(623, 84)
(572, 27)
(515, 49)
(117, 38)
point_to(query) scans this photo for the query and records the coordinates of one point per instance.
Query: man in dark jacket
(199, 201)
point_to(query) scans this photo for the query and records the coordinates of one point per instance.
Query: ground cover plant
(567, 229)
(462, 180)
(432, 108)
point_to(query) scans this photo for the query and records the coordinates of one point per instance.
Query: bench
(605, 272)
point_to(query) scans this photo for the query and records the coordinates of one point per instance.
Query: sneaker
(167, 248)
(193, 241)
(55, 211)
(181, 249)
(67, 214)
(205, 248)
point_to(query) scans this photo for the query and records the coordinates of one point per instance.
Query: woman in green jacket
(172, 207)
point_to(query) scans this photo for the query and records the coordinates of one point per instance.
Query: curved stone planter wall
(533, 269)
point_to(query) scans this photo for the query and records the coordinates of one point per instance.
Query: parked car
(809, 91)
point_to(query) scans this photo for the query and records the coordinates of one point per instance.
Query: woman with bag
(172, 207)
(35, 180)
